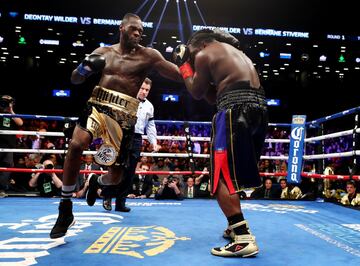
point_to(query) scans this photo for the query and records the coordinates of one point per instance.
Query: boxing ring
(173, 233)
(170, 232)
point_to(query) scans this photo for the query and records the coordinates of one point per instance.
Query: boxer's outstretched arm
(165, 68)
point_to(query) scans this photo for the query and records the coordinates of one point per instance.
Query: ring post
(296, 153)
(355, 146)
(189, 146)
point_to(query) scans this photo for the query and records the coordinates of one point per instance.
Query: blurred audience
(48, 184)
(351, 197)
(142, 185)
(170, 188)
(266, 191)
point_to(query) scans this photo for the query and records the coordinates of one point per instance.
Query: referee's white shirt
(145, 121)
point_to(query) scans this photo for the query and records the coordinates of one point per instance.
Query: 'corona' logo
(136, 242)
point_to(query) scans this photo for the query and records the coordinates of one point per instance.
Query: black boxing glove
(181, 56)
(91, 64)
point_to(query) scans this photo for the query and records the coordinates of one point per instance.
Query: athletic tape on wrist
(186, 71)
(83, 71)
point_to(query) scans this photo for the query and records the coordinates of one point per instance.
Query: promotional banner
(296, 149)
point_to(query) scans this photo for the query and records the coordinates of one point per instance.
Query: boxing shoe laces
(229, 231)
(241, 246)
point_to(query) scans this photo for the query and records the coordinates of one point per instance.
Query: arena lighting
(170, 98)
(322, 58)
(188, 16)
(201, 16)
(49, 42)
(285, 56)
(77, 44)
(149, 11)
(61, 93)
(13, 14)
(341, 59)
(169, 49)
(357, 60)
(21, 40)
(159, 22)
(181, 31)
(141, 7)
(304, 57)
(102, 44)
(1, 39)
(273, 102)
(264, 54)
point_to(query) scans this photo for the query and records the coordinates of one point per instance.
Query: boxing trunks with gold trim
(111, 116)
(238, 135)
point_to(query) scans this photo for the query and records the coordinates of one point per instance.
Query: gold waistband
(115, 100)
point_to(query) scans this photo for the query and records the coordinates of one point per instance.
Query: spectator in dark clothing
(203, 184)
(142, 185)
(48, 184)
(7, 141)
(170, 188)
(19, 182)
(266, 191)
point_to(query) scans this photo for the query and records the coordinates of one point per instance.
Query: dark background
(311, 91)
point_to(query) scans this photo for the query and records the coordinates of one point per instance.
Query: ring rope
(331, 155)
(175, 155)
(183, 138)
(334, 116)
(63, 118)
(185, 155)
(31, 133)
(153, 154)
(313, 122)
(268, 157)
(61, 134)
(333, 135)
(304, 174)
(41, 151)
(277, 140)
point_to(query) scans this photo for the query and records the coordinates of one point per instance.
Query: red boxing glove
(186, 70)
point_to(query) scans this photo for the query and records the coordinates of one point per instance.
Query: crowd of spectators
(191, 186)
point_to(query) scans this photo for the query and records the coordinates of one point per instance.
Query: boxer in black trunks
(110, 113)
(215, 69)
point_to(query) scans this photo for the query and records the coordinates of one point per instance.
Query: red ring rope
(303, 174)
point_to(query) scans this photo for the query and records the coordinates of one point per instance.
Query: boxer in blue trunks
(214, 68)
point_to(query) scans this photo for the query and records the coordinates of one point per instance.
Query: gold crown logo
(135, 241)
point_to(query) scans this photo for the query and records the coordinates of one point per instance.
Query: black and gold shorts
(109, 114)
